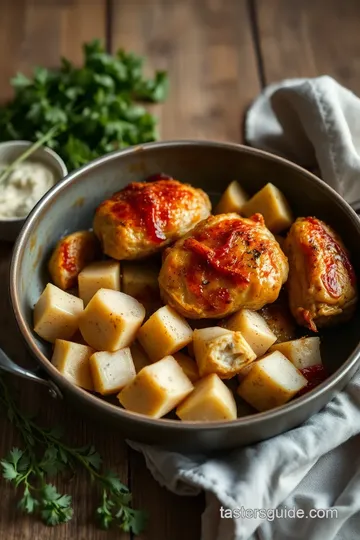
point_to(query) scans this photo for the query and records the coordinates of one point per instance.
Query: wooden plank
(38, 32)
(206, 47)
(310, 38)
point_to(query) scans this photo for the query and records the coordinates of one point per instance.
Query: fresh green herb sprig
(97, 105)
(45, 455)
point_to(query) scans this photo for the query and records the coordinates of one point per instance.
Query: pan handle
(8, 365)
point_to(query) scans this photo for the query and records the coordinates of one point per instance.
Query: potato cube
(197, 324)
(56, 314)
(140, 280)
(157, 389)
(72, 360)
(188, 366)
(254, 329)
(211, 401)
(221, 351)
(98, 275)
(271, 203)
(303, 352)
(139, 356)
(271, 382)
(111, 371)
(110, 320)
(232, 200)
(164, 333)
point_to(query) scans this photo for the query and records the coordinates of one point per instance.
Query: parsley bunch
(95, 107)
(45, 455)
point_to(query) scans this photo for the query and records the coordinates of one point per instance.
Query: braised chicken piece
(144, 217)
(71, 254)
(226, 263)
(322, 283)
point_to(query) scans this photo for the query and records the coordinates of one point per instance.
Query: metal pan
(70, 205)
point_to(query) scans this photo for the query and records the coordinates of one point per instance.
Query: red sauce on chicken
(231, 249)
(68, 257)
(150, 205)
(218, 252)
(333, 252)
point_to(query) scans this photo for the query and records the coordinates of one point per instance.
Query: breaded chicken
(226, 263)
(145, 217)
(322, 282)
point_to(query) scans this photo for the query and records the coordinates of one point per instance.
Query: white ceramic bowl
(9, 151)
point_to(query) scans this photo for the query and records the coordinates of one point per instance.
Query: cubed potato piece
(211, 401)
(197, 324)
(140, 280)
(280, 321)
(271, 382)
(303, 352)
(56, 314)
(271, 203)
(111, 371)
(72, 360)
(221, 351)
(139, 356)
(157, 389)
(188, 365)
(98, 275)
(232, 200)
(111, 320)
(254, 329)
(164, 333)
(71, 254)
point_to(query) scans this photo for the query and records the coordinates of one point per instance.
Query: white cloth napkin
(316, 466)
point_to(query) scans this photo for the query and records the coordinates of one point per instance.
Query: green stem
(4, 175)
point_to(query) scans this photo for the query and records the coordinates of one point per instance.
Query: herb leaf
(94, 106)
(46, 455)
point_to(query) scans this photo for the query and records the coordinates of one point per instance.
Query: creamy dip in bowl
(26, 184)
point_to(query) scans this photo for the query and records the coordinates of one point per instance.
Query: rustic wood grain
(310, 38)
(39, 32)
(206, 46)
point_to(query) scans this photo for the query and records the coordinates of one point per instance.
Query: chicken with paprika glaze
(226, 263)
(144, 217)
(322, 283)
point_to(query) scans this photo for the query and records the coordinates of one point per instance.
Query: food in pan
(322, 283)
(232, 200)
(271, 203)
(145, 217)
(224, 264)
(226, 316)
(272, 381)
(71, 255)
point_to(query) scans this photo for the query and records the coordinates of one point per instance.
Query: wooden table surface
(219, 54)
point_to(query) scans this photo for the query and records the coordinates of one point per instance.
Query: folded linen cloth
(316, 466)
